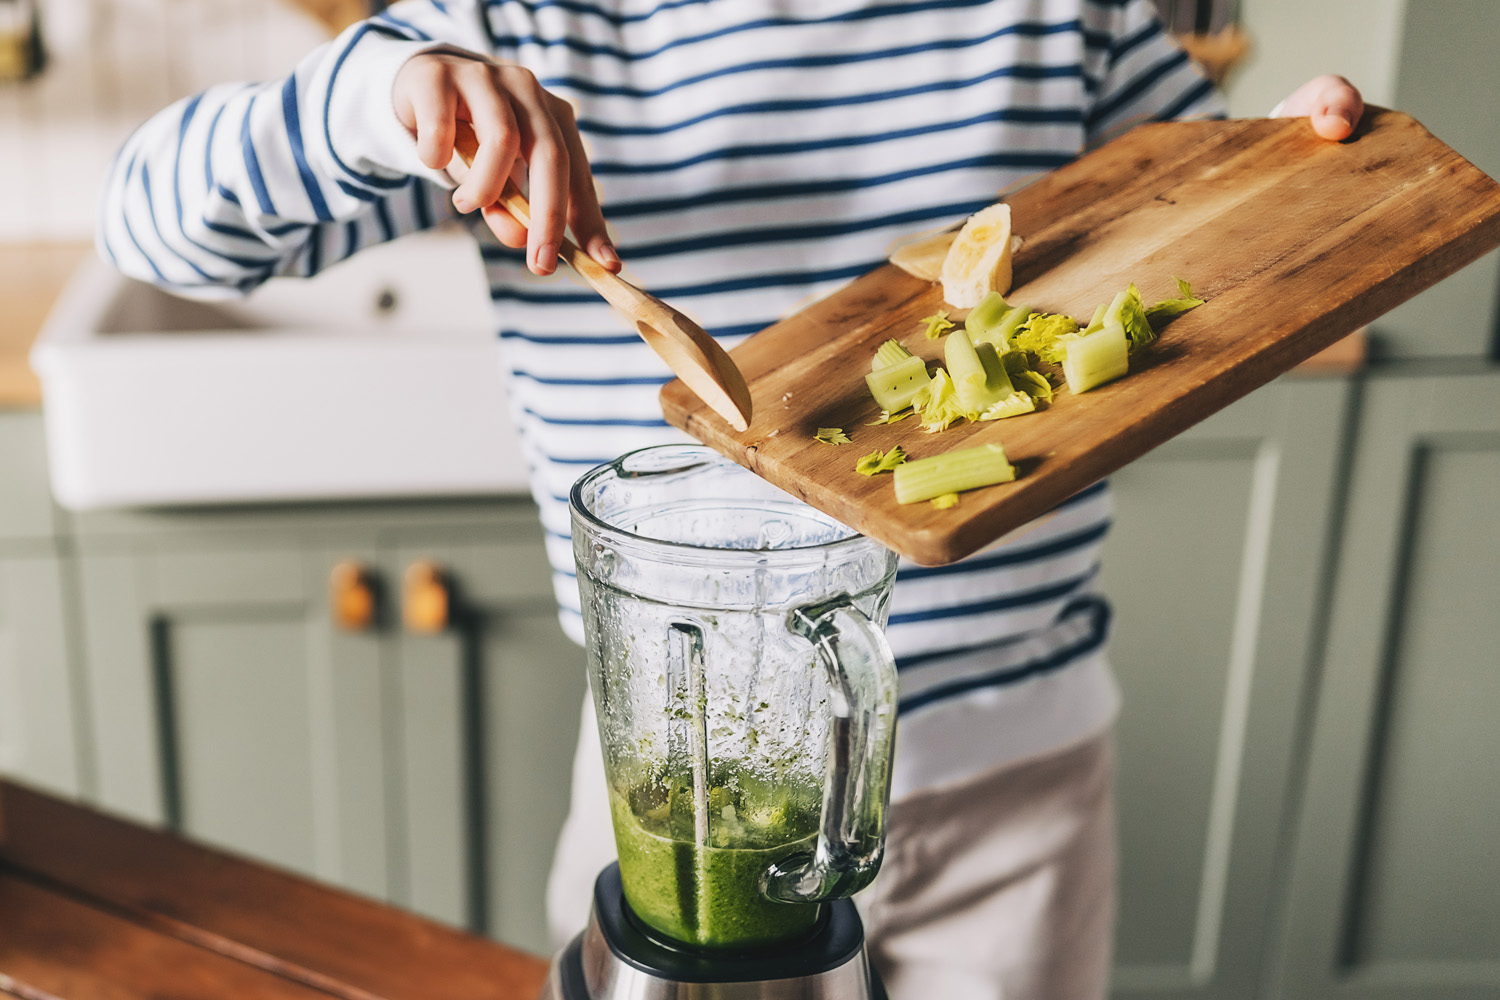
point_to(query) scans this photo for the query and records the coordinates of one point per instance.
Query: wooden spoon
(694, 356)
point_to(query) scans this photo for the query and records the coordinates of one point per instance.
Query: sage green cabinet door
(488, 713)
(227, 706)
(39, 736)
(1214, 568)
(25, 497)
(1395, 889)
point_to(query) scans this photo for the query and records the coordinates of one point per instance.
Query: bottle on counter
(21, 52)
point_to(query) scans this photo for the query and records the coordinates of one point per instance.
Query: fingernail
(463, 204)
(608, 256)
(546, 258)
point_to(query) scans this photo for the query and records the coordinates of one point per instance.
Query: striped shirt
(752, 155)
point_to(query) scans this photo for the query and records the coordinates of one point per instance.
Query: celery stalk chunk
(986, 316)
(953, 472)
(1128, 312)
(1096, 358)
(978, 374)
(889, 353)
(1097, 323)
(895, 386)
(1003, 334)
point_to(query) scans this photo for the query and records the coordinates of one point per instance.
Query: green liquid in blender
(710, 896)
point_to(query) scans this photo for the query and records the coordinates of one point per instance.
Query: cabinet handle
(426, 598)
(351, 587)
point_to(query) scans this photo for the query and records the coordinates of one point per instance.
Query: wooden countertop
(93, 907)
(31, 275)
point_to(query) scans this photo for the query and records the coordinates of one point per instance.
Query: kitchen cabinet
(427, 769)
(226, 707)
(40, 740)
(1394, 882)
(491, 706)
(1214, 567)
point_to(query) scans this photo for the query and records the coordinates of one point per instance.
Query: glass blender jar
(745, 696)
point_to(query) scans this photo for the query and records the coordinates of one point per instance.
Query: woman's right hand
(524, 132)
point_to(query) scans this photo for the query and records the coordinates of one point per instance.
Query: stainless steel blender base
(612, 960)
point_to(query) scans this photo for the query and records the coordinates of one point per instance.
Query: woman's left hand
(1333, 104)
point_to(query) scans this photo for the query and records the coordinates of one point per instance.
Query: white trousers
(997, 887)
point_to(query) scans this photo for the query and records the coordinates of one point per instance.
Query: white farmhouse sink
(379, 378)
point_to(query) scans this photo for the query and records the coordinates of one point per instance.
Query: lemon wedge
(978, 262)
(923, 257)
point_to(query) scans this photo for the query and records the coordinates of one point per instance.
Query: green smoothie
(711, 895)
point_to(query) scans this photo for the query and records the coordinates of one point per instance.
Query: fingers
(521, 132)
(434, 112)
(547, 168)
(505, 227)
(1331, 103)
(495, 126)
(584, 213)
(1337, 110)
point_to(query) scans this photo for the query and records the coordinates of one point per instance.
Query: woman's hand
(523, 132)
(1333, 104)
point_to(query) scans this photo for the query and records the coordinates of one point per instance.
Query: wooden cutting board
(1293, 240)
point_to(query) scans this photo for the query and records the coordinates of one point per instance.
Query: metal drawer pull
(351, 590)
(426, 598)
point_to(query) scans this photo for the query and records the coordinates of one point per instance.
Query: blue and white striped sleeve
(225, 189)
(1141, 75)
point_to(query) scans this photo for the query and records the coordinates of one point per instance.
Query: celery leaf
(880, 461)
(1169, 309)
(1041, 332)
(832, 435)
(937, 325)
(887, 417)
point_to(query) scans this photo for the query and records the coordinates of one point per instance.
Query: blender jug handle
(856, 786)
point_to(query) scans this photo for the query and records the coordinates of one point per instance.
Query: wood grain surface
(95, 907)
(1295, 242)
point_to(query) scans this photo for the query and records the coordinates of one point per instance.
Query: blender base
(612, 960)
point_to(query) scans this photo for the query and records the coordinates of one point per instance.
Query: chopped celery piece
(979, 376)
(1041, 332)
(945, 501)
(1095, 358)
(1034, 384)
(832, 435)
(1003, 334)
(953, 472)
(1169, 309)
(887, 417)
(938, 403)
(894, 387)
(986, 316)
(1013, 405)
(1129, 313)
(1097, 323)
(890, 353)
(880, 461)
(937, 325)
